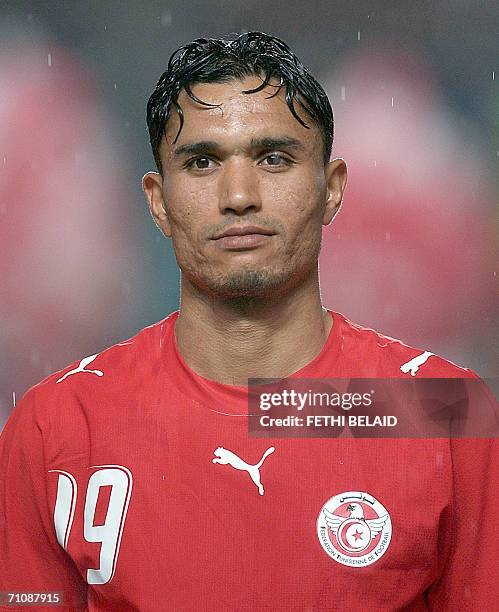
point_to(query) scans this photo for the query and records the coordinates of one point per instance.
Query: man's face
(246, 167)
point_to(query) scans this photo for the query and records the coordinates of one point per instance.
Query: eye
(276, 160)
(199, 163)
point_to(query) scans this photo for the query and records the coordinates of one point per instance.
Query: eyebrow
(268, 143)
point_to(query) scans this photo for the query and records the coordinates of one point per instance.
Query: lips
(243, 230)
(243, 237)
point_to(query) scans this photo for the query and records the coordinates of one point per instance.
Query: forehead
(239, 115)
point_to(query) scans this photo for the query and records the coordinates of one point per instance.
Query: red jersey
(129, 482)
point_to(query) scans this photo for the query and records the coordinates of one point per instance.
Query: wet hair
(210, 60)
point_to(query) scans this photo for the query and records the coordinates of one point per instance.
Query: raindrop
(5, 159)
(13, 398)
(80, 156)
(115, 85)
(343, 97)
(126, 288)
(358, 35)
(493, 75)
(375, 163)
(49, 59)
(166, 18)
(392, 101)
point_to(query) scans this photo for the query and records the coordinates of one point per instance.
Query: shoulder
(110, 370)
(383, 355)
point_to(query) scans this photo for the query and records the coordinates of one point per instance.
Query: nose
(239, 191)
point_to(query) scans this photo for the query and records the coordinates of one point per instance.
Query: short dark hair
(210, 60)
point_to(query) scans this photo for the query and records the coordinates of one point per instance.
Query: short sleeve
(31, 559)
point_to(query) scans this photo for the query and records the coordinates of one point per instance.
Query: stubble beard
(248, 284)
(253, 285)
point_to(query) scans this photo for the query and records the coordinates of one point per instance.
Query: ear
(152, 184)
(336, 176)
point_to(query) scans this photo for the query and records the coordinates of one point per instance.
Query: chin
(246, 284)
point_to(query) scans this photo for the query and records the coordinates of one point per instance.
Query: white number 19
(109, 534)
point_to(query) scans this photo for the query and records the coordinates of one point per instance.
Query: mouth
(243, 237)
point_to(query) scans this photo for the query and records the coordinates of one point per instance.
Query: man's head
(235, 152)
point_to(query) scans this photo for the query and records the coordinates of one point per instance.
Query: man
(123, 476)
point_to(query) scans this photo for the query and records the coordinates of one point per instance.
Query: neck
(229, 341)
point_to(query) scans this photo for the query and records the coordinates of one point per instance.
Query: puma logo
(412, 366)
(227, 457)
(81, 368)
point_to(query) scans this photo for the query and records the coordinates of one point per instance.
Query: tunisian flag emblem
(354, 528)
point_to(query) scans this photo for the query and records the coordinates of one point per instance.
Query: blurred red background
(412, 253)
